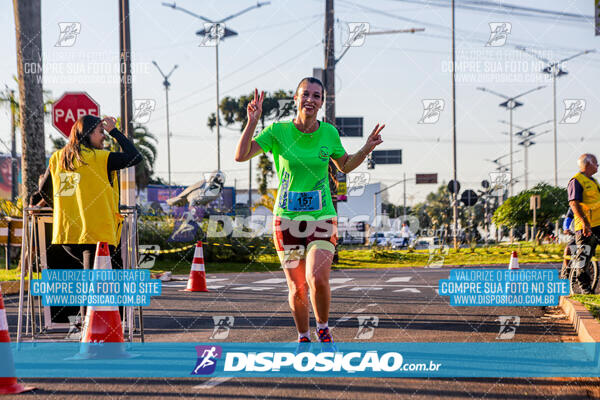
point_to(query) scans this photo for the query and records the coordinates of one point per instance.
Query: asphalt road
(402, 305)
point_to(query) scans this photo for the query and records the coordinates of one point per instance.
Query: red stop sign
(70, 107)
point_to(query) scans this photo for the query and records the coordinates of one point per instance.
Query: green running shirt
(302, 164)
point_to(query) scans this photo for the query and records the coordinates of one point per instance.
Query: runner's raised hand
(254, 108)
(374, 138)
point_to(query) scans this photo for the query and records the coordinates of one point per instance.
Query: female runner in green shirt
(305, 224)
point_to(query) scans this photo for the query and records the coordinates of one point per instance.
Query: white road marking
(271, 281)
(371, 305)
(399, 279)
(253, 288)
(213, 382)
(215, 287)
(357, 311)
(365, 288)
(183, 284)
(410, 289)
(340, 280)
(216, 279)
(338, 287)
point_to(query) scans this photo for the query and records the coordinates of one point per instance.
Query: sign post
(534, 204)
(69, 108)
(597, 16)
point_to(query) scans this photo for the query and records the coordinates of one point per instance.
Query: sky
(387, 79)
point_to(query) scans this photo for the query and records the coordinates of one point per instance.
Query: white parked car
(424, 243)
(348, 238)
(397, 241)
(379, 239)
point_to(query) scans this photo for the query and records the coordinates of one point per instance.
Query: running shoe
(324, 336)
(303, 345)
(326, 341)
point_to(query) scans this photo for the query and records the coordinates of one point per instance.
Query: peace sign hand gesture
(374, 138)
(254, 108)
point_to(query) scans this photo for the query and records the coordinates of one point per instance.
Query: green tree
(143, 141)
(515, 210)
(9, 98)
(436, 213)
(233, 111)
(58, 142)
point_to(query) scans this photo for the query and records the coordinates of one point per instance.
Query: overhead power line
(489, 6)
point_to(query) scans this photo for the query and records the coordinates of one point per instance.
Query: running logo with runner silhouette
(223, 324)
(207, 359)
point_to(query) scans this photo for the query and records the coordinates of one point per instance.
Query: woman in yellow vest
(82, 187)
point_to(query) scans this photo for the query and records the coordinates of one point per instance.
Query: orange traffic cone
(102, 323)
(8, 385)
(514, 261)
(197, 279)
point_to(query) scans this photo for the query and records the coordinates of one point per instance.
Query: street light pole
(388, 188)
(217, 32)
(167, 84)
(218, 113)
(455, 191)
(555, 131)
(554, 69)
(510, 104)
(527, 143)
(527, 134)
(404, 196)
(13, 147)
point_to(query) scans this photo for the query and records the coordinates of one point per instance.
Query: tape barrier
(184, 248)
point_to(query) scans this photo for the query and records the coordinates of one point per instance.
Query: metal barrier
(34, 259)
(11, 233)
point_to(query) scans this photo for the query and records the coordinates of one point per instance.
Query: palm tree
(28, 27)
(9, 99)
(143, 139)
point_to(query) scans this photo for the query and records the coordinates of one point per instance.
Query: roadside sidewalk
(586, 326)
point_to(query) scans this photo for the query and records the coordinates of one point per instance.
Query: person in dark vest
(584, 199)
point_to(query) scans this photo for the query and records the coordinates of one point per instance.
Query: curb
(586, 326)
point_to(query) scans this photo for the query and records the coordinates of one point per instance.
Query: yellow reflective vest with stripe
(590, 203)
(86, 204)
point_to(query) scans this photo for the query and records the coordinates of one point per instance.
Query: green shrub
(157, 229)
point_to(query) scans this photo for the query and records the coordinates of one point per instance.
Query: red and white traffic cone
(102, 323)
(514, 261)
(8, 385)
(197, 279)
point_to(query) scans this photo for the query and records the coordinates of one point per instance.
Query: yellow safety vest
(86, 205)
(591, 201)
